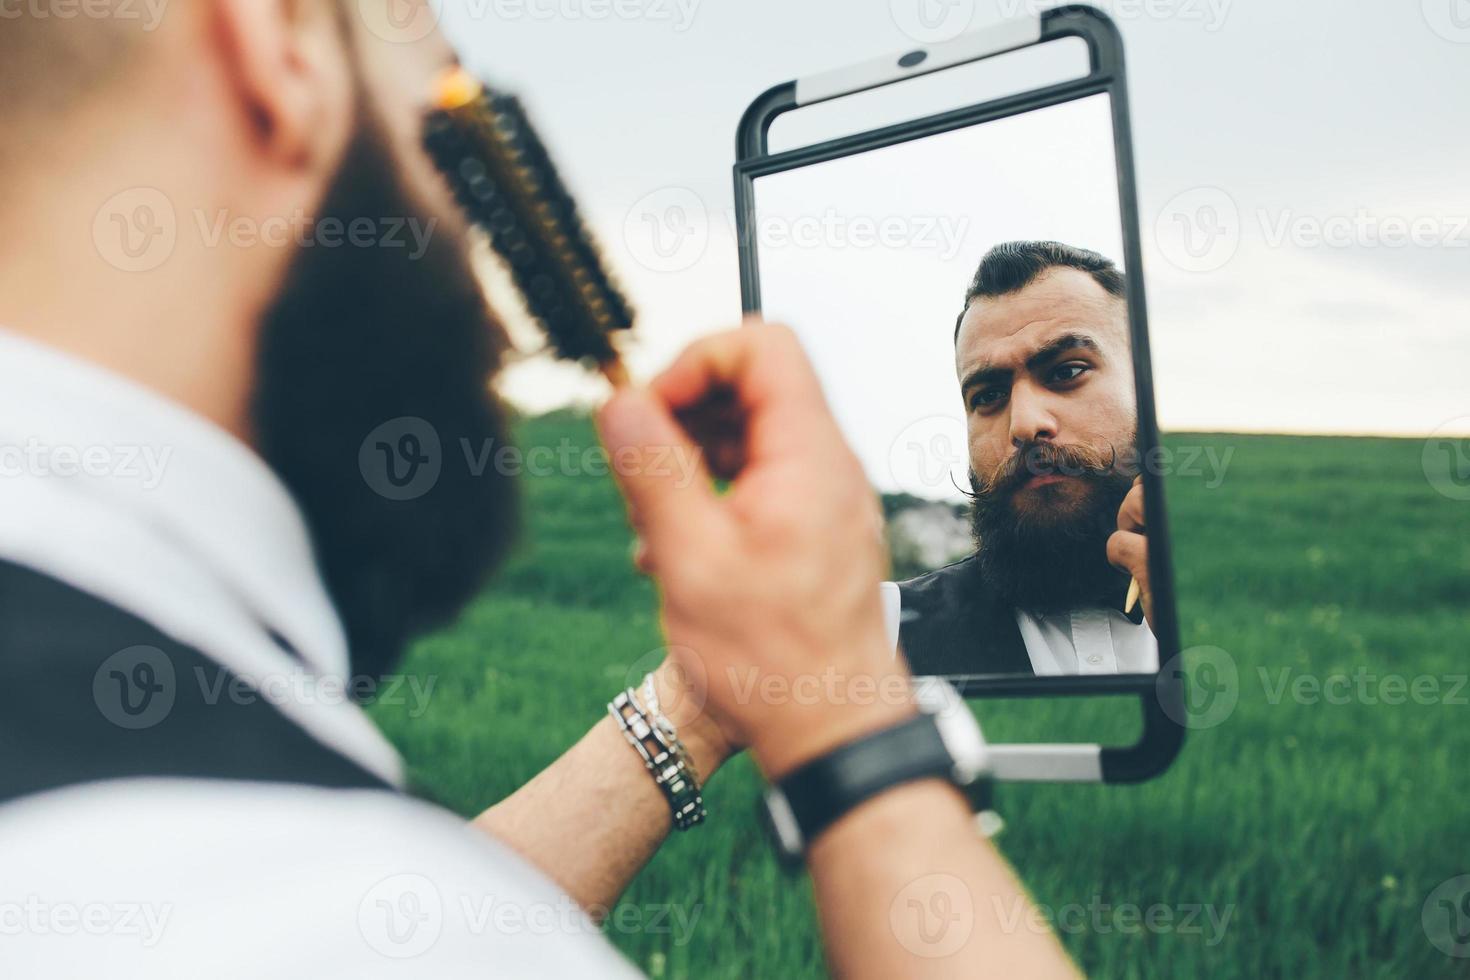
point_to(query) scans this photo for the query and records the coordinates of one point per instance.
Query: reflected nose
(1031, 419)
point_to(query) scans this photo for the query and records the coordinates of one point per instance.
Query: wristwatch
(943, 741)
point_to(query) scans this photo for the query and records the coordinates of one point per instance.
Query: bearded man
(228, 496)
(1045, 368)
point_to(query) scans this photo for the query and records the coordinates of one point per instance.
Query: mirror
(963, 290)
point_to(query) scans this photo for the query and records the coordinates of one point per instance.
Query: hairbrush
(500, 173)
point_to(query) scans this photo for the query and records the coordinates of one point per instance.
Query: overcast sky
(1301, 169)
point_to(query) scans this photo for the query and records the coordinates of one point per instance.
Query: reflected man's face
(1050, 363)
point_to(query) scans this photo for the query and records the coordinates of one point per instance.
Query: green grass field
(1319, 829)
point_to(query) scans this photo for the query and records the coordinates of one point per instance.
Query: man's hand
(1128, 546)
(770, 590)
(773, 612)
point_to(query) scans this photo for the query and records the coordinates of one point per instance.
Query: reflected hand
(1128, 546)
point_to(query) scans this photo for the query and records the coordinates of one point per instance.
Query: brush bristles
(505, 180)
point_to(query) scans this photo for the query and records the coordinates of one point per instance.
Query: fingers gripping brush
(484, 144)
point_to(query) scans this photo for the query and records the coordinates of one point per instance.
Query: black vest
(89, 692)
(952, 624)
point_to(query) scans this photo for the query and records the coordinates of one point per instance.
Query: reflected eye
(988, 397)
(1070, 371)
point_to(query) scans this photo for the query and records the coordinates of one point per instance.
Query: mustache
(1045, 459)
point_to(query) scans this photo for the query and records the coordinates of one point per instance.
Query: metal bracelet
(662, 723)
(663, 756)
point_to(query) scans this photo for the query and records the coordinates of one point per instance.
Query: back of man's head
(50, 65)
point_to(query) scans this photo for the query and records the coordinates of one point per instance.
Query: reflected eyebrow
(988, 373)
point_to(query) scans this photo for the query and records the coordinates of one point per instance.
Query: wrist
(795, 736)
(703, 739)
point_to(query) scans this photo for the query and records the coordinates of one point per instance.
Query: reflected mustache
(1046, 459)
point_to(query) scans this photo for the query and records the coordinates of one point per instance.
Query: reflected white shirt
(1088, 641)
(1082, 641)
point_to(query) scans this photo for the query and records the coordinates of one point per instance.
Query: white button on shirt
(1088, 641)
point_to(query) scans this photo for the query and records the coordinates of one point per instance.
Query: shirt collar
(66, 420)
(76, 438)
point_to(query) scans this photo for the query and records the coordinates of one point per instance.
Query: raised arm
(594, 818)
(770, 594)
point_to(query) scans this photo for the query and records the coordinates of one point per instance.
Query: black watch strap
(825, 789)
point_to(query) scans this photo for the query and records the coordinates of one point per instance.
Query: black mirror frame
(1161, 696)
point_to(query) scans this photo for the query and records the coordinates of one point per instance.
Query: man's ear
(288, 62)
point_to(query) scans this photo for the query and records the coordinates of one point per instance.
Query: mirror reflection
(976, 348)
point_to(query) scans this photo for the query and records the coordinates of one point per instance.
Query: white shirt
(1080, 641)
(124, 495)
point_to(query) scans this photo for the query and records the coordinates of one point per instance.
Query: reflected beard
(1051, 555)
(360, 336)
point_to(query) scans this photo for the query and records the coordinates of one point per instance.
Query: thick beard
(1056, 561)
(360, 336)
